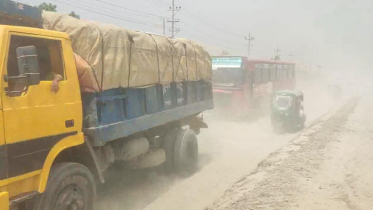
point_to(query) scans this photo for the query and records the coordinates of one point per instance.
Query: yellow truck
(55, 145)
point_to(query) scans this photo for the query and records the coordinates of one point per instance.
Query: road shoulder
(299, 175)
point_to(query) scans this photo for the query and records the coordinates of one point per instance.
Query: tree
(73, 14)
(48, 7)
(277, 58)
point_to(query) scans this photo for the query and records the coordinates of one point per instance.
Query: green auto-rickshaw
(287, 111)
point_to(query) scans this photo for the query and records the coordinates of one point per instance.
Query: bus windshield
(232, 77)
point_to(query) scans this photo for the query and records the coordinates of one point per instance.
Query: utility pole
(277, 50)
(249, 39)
(174, 9)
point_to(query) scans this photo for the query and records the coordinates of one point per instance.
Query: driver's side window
(49, 57)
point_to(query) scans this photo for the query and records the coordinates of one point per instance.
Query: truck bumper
(4, 201)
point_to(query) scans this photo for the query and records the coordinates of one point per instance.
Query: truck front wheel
(70, 186)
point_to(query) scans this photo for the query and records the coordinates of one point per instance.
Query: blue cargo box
(14, 13)
(122, 112)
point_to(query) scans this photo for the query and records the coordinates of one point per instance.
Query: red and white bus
(240, 84)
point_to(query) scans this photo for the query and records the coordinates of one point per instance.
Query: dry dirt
(228, 151)
(329, 166)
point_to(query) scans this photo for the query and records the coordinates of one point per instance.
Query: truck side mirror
(28, 64)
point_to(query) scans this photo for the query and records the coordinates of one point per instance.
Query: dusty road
(330, 166)
(228, 151)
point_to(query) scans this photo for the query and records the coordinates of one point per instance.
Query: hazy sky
(336, 34)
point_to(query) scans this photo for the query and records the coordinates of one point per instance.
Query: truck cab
(35, 123)
(56, 145)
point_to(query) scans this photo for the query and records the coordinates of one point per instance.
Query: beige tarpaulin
(191, 59)
(110, 57)
(143, 60)
(188, 61)
(196, 61)
(179, 60)
(206, 72)
(165, 49)
(200, 61)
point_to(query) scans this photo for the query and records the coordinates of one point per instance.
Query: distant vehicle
(287, 111)
(240, 84)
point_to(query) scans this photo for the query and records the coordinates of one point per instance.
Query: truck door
(3, 154)
(35, 118)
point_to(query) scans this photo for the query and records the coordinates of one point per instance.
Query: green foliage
(53, 8)
(48, 7)
(73, 14)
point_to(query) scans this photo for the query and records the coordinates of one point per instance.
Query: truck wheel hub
(70, 199)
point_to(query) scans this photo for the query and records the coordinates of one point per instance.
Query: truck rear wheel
(168, 145)
(186, 152)
(70, 186)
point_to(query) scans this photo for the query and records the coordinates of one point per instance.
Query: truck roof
(35, 31)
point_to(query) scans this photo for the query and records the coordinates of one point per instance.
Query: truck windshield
(233, 77)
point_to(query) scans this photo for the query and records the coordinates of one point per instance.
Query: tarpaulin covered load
(110, 57)
(143, 60)
(165, 49)
(191, 62)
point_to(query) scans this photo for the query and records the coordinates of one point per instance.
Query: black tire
(303, 123)
(168, 144)
(70, 186)
(186, 152)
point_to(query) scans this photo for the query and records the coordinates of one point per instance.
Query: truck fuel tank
(130, 149)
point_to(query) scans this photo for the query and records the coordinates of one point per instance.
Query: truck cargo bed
(122, 112)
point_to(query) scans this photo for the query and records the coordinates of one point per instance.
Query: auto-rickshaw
(287, 111)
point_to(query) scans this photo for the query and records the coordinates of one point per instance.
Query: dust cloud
(332, 39)
(228, 149)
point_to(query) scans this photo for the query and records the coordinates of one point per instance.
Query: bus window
(290, 72)
(272, 73)
(265, 72)
(287, 70)
(279, 72)
(257, 76)
(258, 66)
(293, 71)
(265, 75)
(285, 73)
